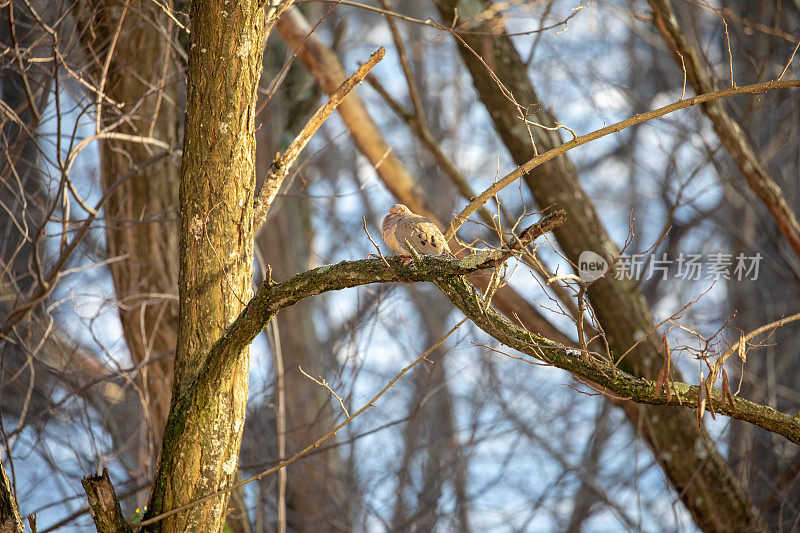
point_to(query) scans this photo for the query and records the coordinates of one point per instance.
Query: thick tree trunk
(432, 455)
(700, 475)
(201, 441)
(318, 491)
(731, 135)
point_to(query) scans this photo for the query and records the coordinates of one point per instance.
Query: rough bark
(201, 440)
(700, 475)
(10, 520)
(104, 504)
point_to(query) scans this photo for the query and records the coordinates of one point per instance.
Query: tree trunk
(318, 491)
(433, 455)
(770, 467)
(201, 441)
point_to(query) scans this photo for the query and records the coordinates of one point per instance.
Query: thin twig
(280, 422)
(730, 56)
(405, 64)
(425, 136)
(322, 382)
(377, 248)
(740, 345)
(523, 169)
(106, 66)
(789, 62)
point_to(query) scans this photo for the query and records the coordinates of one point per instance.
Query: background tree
(104, 317)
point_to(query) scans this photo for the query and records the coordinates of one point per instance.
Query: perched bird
(402, 228)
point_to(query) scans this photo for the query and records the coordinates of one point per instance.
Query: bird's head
(400, 209)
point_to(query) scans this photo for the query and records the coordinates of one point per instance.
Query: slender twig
(425, 136)
(278, 79)
(730, 56)
(523, 169)
(322, 382)
(106, 66)
(280, 422)
(405, 64)
(23, 71)
(377, 248)
(500, 85)
(47, 284)
(788, 63)
(714, 370)
(731, 134)
(428, 22)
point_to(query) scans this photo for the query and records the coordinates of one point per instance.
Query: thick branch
(620, 383)
(449, 277)
(619, 307)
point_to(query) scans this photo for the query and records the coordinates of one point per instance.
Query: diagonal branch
(280, 167)
(521, 170)
(600, 373)
(730, 133)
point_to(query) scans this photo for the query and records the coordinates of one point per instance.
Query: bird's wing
(421, 234)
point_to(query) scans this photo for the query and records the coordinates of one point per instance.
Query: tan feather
(401, 226)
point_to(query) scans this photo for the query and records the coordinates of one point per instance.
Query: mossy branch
(449, 277)
(615, 381)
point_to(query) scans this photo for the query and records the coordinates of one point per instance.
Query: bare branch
(730, 133)
(280, 167)
(520, 171)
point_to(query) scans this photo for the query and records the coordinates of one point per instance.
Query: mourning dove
(402, 228)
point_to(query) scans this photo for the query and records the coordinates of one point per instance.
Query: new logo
(591, 266)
